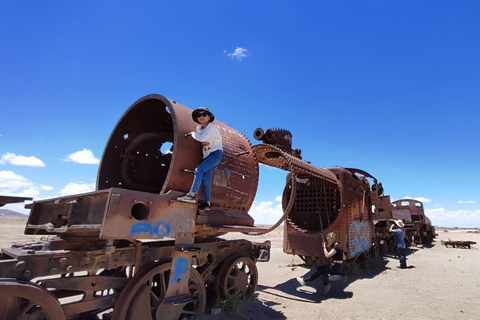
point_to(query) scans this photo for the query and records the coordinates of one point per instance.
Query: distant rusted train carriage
(412, 213)
(418, 228)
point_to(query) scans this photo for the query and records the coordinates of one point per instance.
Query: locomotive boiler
(129, 250)
(316, 201)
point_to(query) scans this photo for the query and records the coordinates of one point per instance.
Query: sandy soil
(445, 284)
(11, 232)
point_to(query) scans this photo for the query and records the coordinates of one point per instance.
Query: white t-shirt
(209, 137)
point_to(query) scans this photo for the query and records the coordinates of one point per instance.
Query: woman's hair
(331, 238)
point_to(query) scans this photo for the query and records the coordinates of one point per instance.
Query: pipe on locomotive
(276, 151)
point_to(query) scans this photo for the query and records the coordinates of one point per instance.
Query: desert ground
(444, 283)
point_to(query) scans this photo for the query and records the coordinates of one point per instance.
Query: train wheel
(142, 298)
(27, 301)
(238, 275)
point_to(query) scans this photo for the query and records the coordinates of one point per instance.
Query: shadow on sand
(255, 309)
(313, 293)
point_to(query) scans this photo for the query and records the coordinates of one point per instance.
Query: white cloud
(85, 156)
(238, 54)
(30, 192)
(278, 199)
(466, 201)
(46, 188)
(19, 160)
(448, 218)
(266, 212)
(421, 199)
(75, 188)
(11, 183)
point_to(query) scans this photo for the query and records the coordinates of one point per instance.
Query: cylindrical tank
(321, 207)
(148, 151)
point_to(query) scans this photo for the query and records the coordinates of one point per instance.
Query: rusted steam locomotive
(129, 250)
(130, 245)
(319, 200)
(347, 201)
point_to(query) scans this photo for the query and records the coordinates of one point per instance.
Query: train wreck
(130, 250)
(130, 246)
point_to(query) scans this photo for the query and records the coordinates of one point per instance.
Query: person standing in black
(332, 250)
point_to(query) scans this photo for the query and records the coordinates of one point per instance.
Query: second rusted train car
(319, 200)
(412, 212)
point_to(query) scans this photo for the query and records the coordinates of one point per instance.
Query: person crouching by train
(397, 228)
(332, 250)
(209, 136)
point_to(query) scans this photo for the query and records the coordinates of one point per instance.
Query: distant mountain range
(5, 213)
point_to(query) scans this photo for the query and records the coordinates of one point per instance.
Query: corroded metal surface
(23, 300)
(408, 210)
(299, 170)
(146, 296)
(318, 200)
(279, 138)
(238, 275)
(328, 208)
(114, 243)
(412, 213)
(55, 265)
(11, 199)
(147, 163)
(275, 157)
(148, 151)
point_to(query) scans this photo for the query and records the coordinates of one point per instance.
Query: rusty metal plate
(10, 199)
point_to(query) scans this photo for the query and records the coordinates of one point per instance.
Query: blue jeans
(402, 256)
(204, 172)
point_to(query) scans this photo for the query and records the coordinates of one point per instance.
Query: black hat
(194, 114)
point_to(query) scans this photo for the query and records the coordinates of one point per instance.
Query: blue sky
(390, 87)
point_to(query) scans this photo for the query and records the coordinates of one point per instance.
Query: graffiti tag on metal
(160, 229)
(360, 237)
(181, 265)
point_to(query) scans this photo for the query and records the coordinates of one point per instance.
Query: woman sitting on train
(332, 250)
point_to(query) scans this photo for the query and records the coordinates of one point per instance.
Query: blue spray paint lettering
(160, 229)
(360, 236)
(181, 265)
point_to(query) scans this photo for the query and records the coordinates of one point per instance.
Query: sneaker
(301, 281)
(187, 198)
(204, 207)
(327, 288)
